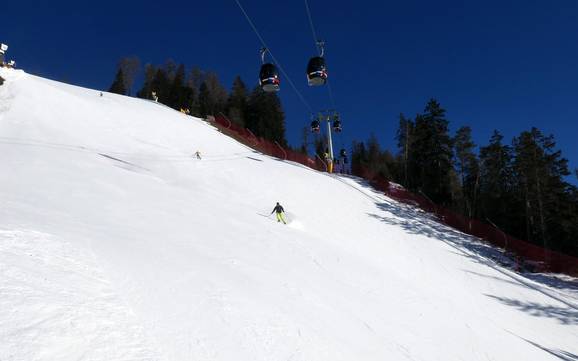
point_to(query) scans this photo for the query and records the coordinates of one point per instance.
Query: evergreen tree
(467, 168)
(304, 140)
(118, 83)
(359, 159)
(212, 96)
(178, 94)
(414, 159)
(496, 183)
(161, 85)
(320, 145)
(130, 67)
(170, 85)
(170, 68)
(196, 78)
(377, 164)
(567, 242)
(205, 101)
(237, 102)
(404, 143)
(146, 91)
(390, 167)
(431, 155)
(539, 173)
(265, 116)
(373, 154)
(370, 162)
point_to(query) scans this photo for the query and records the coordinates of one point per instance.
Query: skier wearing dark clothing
(279, 211)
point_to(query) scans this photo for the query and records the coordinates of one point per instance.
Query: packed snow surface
(116, 243)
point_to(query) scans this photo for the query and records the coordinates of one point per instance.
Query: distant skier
(279, 211)
(198, 154)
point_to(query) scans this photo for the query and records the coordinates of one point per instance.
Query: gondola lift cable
(319, 46)
(273, 56)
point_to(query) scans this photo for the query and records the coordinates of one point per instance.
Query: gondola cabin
(269, 78)
(315, 126)
(336, 126)
(316, 71)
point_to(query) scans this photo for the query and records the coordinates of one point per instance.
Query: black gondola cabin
(315, 126)
(336, 126)
(269, 78)
(316, 71)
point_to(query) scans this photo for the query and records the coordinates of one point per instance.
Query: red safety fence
(274, 149)
(528, 256)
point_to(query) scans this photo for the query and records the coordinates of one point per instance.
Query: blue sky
(492, 65)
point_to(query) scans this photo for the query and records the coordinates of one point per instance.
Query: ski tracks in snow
(57, 305)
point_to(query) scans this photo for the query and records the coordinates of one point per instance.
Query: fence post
(227, 119)
(432, 202)
(503, 233)
(325, 164)
(253, 135)
(283, 150)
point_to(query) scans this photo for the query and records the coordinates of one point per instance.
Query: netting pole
(330, 145)
(253, 135)
(325, 164)
(283, 150)
(227, 119)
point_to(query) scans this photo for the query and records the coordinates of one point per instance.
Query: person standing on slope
(278, 210)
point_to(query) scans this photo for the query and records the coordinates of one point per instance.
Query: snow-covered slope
(117, 244)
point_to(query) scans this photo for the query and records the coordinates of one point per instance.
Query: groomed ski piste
(116, 243)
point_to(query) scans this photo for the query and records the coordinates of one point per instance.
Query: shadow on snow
(416, 221)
